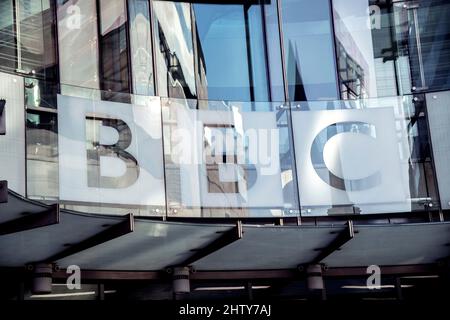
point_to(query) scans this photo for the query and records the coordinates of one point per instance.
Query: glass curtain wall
(113, 49)
(27, 38)
(213, 51)
(308, 50)
(391, 47)
(141, 47)
(219, 72)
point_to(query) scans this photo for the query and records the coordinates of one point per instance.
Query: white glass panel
(438, 106)
(354, 159)
(110, 152)
(78, 45)
(224, 159)
(12, 145)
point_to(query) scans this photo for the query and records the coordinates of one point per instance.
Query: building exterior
(324, 122)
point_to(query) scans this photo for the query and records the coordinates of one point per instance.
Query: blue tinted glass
(231, 52)
(308, 49)
(432, 28)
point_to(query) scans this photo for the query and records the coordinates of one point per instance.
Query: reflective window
(372, 58)
(78, 46)
(231, 51)
(174, 49)
(387, 49)
(308, 50)
(141, 47)
(27, 38)
(7, 40)
(212, 51)
(274, 56)
(40, 93)
(429, 42)
(42, 155)
(114, 64)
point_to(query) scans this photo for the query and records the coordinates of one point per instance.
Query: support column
(249, 288)
(100, 291)
(181, 282)
(42, 278)
(314, 281)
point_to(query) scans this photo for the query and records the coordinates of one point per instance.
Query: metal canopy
(395, 244)
(271, 247)
(18, 206)
(31, 221)
(21, 248)
(31, 232)
(152, 246)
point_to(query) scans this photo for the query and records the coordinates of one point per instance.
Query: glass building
(208, 118)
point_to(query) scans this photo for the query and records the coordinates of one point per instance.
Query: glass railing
(197, 158)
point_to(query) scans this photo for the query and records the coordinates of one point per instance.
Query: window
(308, 50)
(212, 51)
(27, 38)
(114, 64)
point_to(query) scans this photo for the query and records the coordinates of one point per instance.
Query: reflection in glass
(8, 58)
(371, 62)
(114, 64)
(174, 49)
(36, 38)
(230, 43)
(308, 50)
(42, 155)
(78, 46)
(224, 159)
(141, 47)
(212, 51)
(428, 42)
(27, 38)
(392, 48)
(40, 93)
(365, 156)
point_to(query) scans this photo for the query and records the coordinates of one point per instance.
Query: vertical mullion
(266, 51)
(99, 47)
(289, 110)
(335, 52)
(157, 93)
(283, 56)
(152, 35)
(128, 43)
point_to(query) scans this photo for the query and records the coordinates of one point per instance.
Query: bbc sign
(112, 153)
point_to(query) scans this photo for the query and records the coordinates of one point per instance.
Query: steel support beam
(2, 117)
(3, 191)
(31, 221)
(287, 274)
(342, 238)
(224, 240)
(280, 274)
(113, 232)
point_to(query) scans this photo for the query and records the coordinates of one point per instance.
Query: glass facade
(279, 108)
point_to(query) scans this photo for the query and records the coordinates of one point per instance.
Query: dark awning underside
(98, 242)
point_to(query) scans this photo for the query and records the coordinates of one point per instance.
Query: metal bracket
(342, 238)
(31, 221)
(224, 240)
(111, 233)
